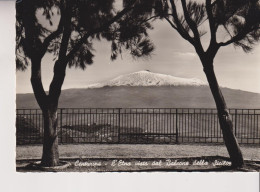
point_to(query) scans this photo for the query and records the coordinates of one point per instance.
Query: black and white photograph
(137, 86)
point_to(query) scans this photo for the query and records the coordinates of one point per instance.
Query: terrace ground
(250, 152)
(139, 155)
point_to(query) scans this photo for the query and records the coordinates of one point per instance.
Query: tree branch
(155, 16)
(193, 27)
(211, 21)
(56, 33)
(171, 23)
(65, 36)
(36, 82)
(179, 26)
(52, 36)
(60, 65)
(179, 31)
(238, 37)
(189, 21)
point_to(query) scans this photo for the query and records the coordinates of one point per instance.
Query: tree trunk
(225, 121)
(50, 156)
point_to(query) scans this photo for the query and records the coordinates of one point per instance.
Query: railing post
(176, 121)
(119, 114)
(235, 122)
(61, 125)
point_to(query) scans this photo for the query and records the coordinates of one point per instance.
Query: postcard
(137, 86)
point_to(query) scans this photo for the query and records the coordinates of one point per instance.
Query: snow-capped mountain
(145, 89)
(147, 78)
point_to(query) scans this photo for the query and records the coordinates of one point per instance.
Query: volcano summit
(147, 78)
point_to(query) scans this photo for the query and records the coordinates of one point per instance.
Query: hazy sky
(173, 55)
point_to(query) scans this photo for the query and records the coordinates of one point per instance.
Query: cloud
(185, 54)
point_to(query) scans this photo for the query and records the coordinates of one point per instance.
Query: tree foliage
(239, 18)
(86, 20)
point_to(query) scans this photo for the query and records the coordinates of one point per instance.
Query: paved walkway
(136, 151)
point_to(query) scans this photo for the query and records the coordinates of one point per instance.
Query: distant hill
(164, 96)
(146, 89)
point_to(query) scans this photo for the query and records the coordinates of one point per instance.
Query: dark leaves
(161, 8)
(145, 47)
(21, 64)
(241, 20)
(130, 34)
(196, 11)
(91, 14)
(89, 57)
(83, 57)
(127, 33)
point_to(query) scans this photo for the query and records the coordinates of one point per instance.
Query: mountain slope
(164, 96)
